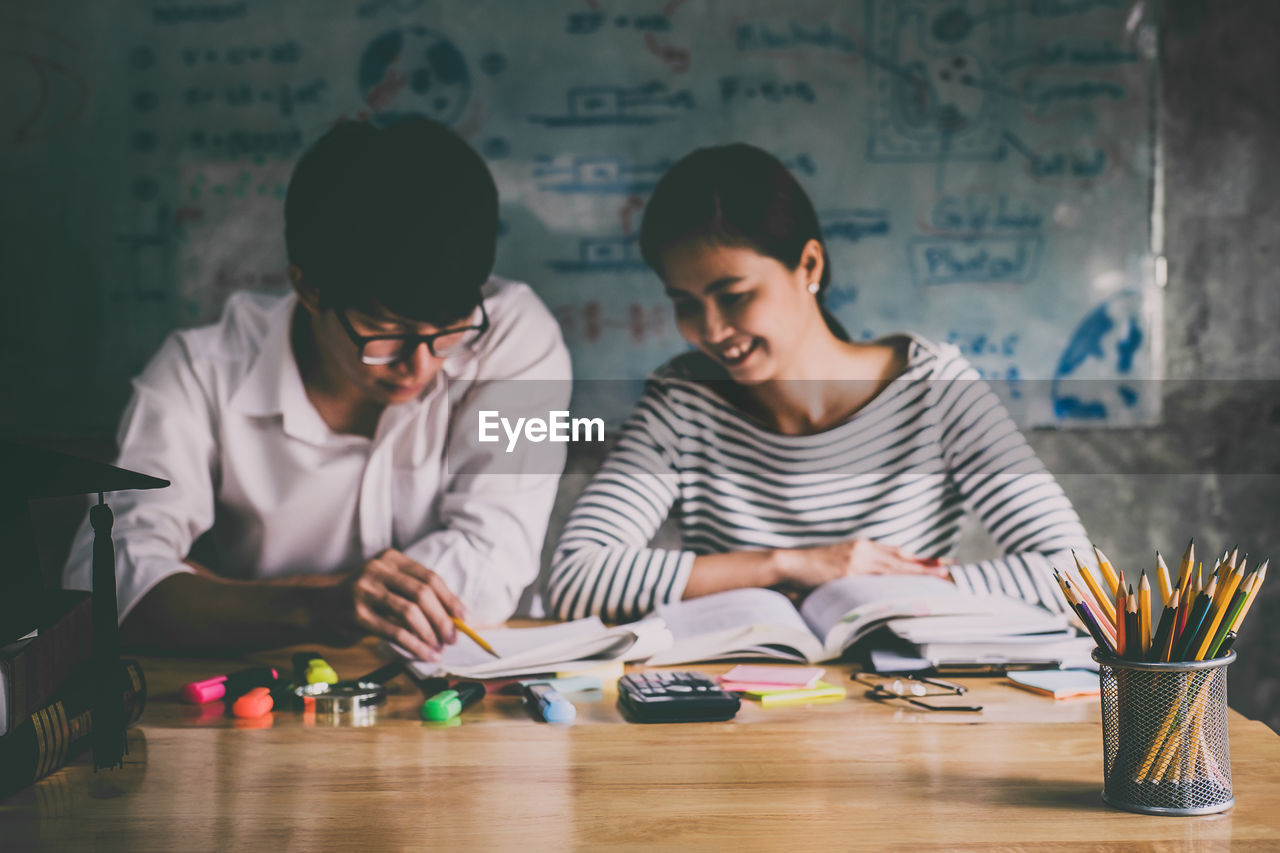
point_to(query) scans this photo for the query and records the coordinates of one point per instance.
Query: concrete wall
(1213, 470)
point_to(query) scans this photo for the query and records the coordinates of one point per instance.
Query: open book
(745, 623)
(761, 623)
(563, 647)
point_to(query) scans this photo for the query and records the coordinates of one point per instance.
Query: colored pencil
(1144, 616)
(1229, 619)
(1217, 610)
(1185, 566)
(1122, 638)
(1185, 605)
(1186, 575)
(1162, 578)
(1062, 585)
(1259, 577)
(1132, 642)
(1057, 578)
(1227, 564)
(1108, 630)
(1162, 646)
(1104, 566)
(479, 641)
(1194, 620)
(1188, 601)
(1103, 600)
(1089, 619)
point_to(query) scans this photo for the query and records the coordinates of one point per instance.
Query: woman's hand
(810, 567)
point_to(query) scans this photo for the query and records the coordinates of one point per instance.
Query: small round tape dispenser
(345, 703)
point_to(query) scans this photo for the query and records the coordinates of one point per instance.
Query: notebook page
(526, 650)
(758, 623)
(830, 603)
(733, 609)
(845, 610)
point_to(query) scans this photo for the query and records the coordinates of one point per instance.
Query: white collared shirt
(222, 413)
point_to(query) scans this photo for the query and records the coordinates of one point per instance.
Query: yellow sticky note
(609, 672)
(820, 692)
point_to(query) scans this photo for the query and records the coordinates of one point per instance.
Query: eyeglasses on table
(912, 690)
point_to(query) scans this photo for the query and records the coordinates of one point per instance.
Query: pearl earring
(814, 287)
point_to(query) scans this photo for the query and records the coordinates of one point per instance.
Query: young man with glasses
(327, 476)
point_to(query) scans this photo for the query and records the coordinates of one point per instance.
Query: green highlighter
(447, 704)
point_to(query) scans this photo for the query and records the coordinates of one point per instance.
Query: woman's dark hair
(735, 195)
(403, 217)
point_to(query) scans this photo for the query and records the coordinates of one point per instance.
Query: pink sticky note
(774, 676)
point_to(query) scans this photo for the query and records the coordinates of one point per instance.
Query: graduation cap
(30, 473)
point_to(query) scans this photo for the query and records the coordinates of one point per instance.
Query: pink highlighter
(235, 684)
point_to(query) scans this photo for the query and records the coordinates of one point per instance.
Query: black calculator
(674, 697)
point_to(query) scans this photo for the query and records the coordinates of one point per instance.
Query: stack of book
(35, 666)
(59, 664)
(46, 691)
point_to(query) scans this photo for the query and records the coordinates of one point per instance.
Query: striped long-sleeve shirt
(902, 470)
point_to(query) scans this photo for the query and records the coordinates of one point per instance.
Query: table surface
(1025, 773)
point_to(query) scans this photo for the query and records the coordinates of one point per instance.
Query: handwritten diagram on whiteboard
(983, 169)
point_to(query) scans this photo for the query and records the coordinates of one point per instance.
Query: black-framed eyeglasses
(391, 349)
(912, 690)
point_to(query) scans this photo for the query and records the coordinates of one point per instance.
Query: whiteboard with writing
(984, 169)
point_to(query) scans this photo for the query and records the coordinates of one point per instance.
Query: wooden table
(1023, 774)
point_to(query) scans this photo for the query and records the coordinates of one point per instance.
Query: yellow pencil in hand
(463, 627)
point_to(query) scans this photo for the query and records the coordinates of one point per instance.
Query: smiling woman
(791, 455)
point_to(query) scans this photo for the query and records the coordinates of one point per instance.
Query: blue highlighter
(550, 705)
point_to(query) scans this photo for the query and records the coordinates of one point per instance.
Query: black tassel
(108, 715)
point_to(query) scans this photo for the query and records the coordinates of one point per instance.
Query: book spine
(34, 673)
(63, 728)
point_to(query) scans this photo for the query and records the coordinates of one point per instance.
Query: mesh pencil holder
(1164, 735)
